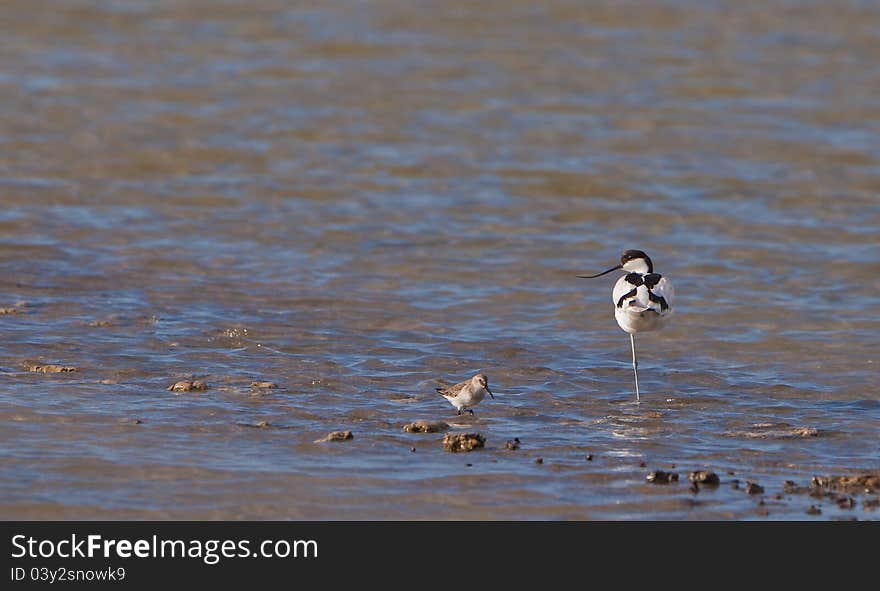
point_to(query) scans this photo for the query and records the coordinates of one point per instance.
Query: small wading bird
(466, 394)
(642, 298)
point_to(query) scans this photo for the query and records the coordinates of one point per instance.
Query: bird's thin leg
(470, 410)
(632, 341)
(459, 412)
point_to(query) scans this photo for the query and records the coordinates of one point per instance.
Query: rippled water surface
(359, 201)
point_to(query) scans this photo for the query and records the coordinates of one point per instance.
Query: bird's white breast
(471, 396)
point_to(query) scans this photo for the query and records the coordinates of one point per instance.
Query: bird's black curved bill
(600, 274)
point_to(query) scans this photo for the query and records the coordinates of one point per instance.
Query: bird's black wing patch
(634, 279)
(658, 300)
(652, 279)
(629, 294)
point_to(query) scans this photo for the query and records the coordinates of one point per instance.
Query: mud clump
(264, 385)
(259, 425)
(336, 436)
(426, 427)
(805, 432)
(775, 431)
(16, 308)
(846, 503)
(791, 487)
(753, 488)
(188, 386)
(704, 477)
(837, 489)
(461, 442)
(814, 510)
(512, 444)
(661, 477)
(867, 483)
(49, 368)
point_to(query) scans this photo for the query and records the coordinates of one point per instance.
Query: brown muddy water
(357, 200)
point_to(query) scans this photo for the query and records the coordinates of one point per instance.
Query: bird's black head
(632, 261)
(633, 257)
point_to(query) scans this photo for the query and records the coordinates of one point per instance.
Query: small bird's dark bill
(490, 393)
(602, 273)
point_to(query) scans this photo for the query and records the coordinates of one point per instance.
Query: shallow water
(357, 200)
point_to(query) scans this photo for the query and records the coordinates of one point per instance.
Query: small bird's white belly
(466, 398)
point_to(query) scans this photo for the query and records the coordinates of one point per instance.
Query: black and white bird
(643, 299)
